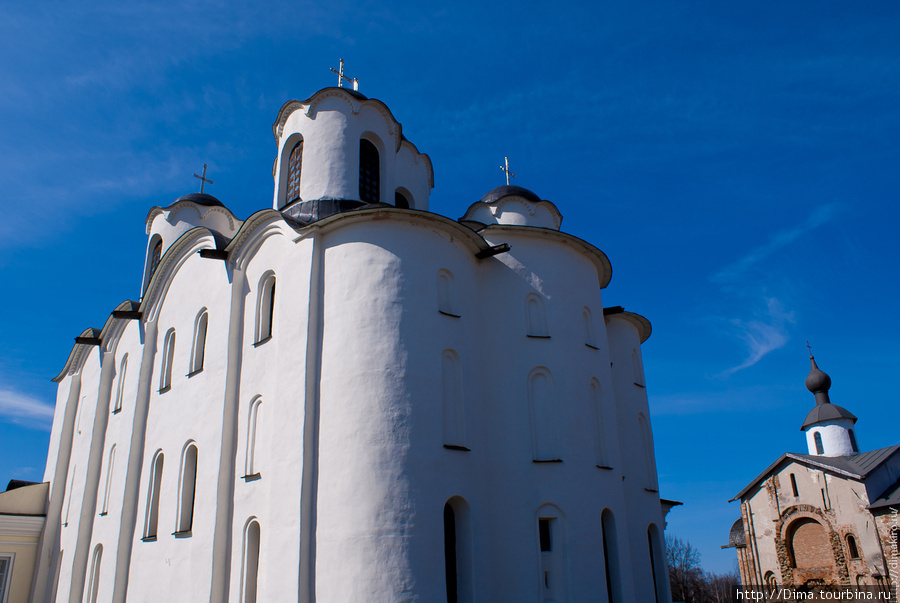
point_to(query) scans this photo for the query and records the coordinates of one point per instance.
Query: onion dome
(818, 382)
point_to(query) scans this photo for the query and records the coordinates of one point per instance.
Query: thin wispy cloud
(27, 411)
(762, 334)
(738, 270)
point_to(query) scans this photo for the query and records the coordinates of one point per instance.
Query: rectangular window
(794, 485)
(5, 574)
(544, 531)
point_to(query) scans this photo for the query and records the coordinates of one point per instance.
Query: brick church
(828, 517)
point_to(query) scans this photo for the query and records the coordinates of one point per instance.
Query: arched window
(770, 579)
(250, 569)
(151, 519)
(250, 465)
(542, 404)
(452, 399)
(265, 307)
(551, 535)
(657, 564)
(199, 348)
(794, 486)
(109, 471)
(446, 293)
(400, 199)
(851, 547)
(188, 488)
(637, 368)
(534, 313)
(165, 375)
(369, 172)
(120, 384)
(853, 445)
(155, 256)
(457, 550)
(94, 580)
(611, 557)
(596, 404)
(647, 448)
(293, 175)
(817, 438)
(589, 338)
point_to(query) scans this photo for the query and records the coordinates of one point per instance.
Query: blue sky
(737, 162)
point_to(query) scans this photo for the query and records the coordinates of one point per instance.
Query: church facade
(828, 517)
(348, 397)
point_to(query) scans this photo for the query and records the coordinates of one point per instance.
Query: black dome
(508, 190)
(201, 199)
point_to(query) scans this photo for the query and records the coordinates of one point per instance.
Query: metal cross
(809, 347)
(342, 77)
(506, 169)
(203, 179)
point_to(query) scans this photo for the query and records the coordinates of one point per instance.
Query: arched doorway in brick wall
(810, 552)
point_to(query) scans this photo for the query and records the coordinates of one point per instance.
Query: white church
(350, 398)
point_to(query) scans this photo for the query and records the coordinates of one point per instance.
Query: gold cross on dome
(342, 77)
(506, 169)
(203, 179)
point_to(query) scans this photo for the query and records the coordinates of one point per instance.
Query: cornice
(23, 526)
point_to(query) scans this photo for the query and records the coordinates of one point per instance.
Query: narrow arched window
(446, 293)
(198, 350)
(109, 471)
(94, 580)
(452, 399)
(542, 404)
(250, 569)
(188, 488)
(451, 563)
(851, 547)
(250, 468)
(657, 564)
(293, 175)
(794, 486)
(400, 199)
(265, 307)
(155, 256)
(151, 519)
(120, 384)
(853, 445)
(369, 172)
(647, 449)
(551, 535)
(637, 368)
(817, 438)
(165, 375)
(588, 319)
(458, 550)
(770, 579)
(611, 557)
(534, 314)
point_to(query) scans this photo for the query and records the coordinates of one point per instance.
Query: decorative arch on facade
(446, 293)
(612, 571)
(637, 368)
(535, 316)
(647, 450)
(552, 548)
(453, 410)
(458, 558)
(251, 465)
(198, 347)
(165, 373)
(187, 488)
(595, 393)
(829, 547)
(370, 147)
(265, 307)
(590, 339)
(120, 383)
(94, 577)
(151, 517)
(544, 415)
(250, 562)
(110, 463)
(658, 571)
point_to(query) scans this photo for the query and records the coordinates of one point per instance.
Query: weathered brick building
(826, 517)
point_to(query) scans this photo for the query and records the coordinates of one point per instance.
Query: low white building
(349, 398)
(826, 518)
